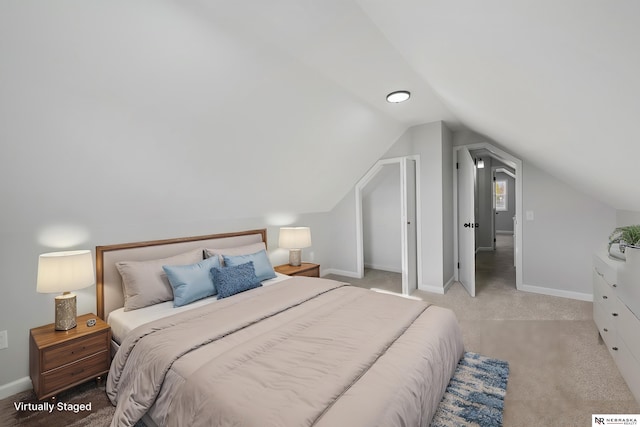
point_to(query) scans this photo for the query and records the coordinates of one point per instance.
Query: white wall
(381, 220)
(568, 226)
(627, 218)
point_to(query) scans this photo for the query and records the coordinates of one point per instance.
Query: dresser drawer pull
(599, 274)
(605, 297)
(614, 285)
(614, 348)
(606, 330)
(614, 314)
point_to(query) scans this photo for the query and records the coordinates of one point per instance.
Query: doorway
(406, 224)
(475, 235)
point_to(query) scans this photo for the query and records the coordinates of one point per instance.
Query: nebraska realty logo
(615, 420)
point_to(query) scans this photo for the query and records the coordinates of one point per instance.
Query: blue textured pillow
(191, 282)
(261, 263)
(235, 279)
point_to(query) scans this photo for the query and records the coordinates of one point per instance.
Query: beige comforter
(303, 352)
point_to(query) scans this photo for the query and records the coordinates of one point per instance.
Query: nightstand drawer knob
(614, 314)
(614, 348)
(606, 330)
(604, 297)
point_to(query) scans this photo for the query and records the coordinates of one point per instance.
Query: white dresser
(618, 325)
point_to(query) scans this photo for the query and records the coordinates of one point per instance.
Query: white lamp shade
(295, 237)
(65, 271)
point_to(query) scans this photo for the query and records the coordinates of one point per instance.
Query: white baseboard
(431, 288)
(556, 292)
(437, 289)
(504, 232)
(383, 268)
(17, 386)
(448, 284)
(341, 273)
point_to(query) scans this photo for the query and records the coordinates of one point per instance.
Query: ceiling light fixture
(398, 96)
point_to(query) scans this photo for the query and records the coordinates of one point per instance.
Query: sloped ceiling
(556, 82)
(119, 111)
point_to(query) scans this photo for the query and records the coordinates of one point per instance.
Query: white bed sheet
(122, 322)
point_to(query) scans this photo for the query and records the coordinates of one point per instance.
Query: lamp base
(295, 257)
(65, 312)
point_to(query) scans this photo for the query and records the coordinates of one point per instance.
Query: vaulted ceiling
(241, 108)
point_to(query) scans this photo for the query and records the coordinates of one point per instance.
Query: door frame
(362, 183)
(516, 164)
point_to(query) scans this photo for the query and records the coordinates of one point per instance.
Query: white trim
(449, 283)
(17, 386)
(431, 288)
(345, 273)
(511, 161)
(383, 268)
(501, 169)
(359, 227)
(557, 292)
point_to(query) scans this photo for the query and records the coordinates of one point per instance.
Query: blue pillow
(261, 263)
(191, 282)
(235, 279)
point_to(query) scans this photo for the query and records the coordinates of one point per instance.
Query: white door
(409, 238)
(466, 221)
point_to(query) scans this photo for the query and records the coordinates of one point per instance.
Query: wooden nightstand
(306, 269)
(59, 360)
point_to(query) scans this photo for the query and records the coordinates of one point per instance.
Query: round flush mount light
(398, 96)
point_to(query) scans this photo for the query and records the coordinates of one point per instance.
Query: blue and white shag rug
(475, 394)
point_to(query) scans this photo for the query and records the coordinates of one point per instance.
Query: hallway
(495, 269)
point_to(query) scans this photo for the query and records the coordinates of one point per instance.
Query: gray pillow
(145, 283)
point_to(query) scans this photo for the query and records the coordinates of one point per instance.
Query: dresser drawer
(75, 373)
(605, 323)
(628, 327)
(629, 368)
(604, 270)
(603, 294)
(73, 350)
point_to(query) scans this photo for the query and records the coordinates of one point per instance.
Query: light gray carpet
(559, 373)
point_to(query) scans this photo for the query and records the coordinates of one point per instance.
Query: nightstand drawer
(75, 373)
(73, 350)
(314, 272)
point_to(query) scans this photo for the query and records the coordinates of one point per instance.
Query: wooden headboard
(109, 293)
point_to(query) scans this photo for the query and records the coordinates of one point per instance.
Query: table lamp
(295, 239)
(65, 272)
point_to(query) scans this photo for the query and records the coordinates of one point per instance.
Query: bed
(287, 351)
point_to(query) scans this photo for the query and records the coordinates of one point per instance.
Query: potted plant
(627, 236)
